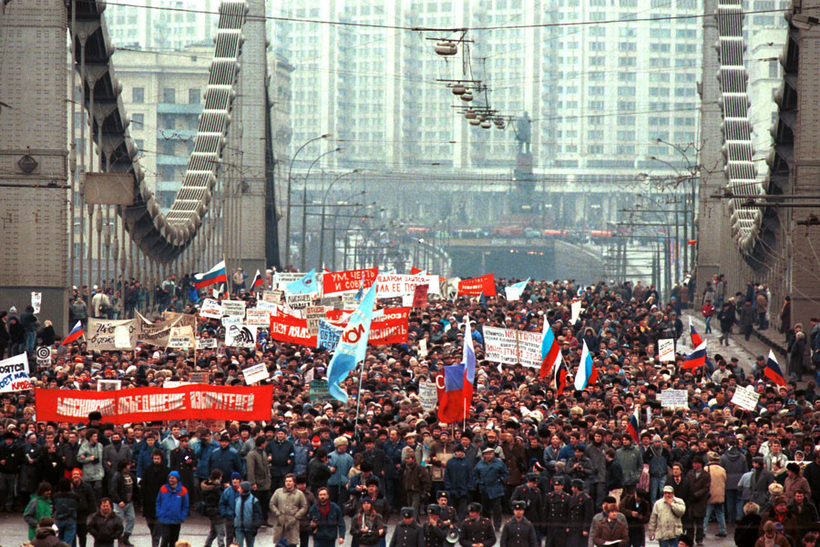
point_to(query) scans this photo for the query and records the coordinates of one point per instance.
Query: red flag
(474, 287)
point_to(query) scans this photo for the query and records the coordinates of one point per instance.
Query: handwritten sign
(274, 297)
(101, 334)
(674, 398)
(319, 392)
(666, 350)
(206, 343)
(510, 347)
(298, 301)
(314, 314)
(14, 374)
(428, 395)
(256, 373)
(36, 301)
(746, 398)
(257, 317)
(233, 308)
(210, 309)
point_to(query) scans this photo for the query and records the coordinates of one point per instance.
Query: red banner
(348, 281)
(287, 328)
(474, 287)
(420, 296)
(390, 328)
(144, 404)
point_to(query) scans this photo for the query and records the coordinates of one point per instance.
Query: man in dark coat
(531, 495)
(280, 452)
(86, 504)
(700, 483)
(407, 533)
(556, 513)
(104, 526)
(153, 477)
(476, 529)
(519, 532)
(183, 461)
(581, 511)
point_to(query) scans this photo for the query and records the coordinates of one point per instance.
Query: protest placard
(328, 336)
(428, 395)
(746, 398)
(313, 315)
(36, 300)
(420, 296)
(257, 317)
(240, 336)
(396, 285)
(575, 308)
(14, 374)
(674, 398)
(233, 308)
(43, 356)
(510, 346)
(256, 373)
(666, 350)
(101, 334)
(274, 296)
(298, 301)
(206, 343)
(319, 392)
(210, 309)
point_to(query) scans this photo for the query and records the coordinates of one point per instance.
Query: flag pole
(359, 393)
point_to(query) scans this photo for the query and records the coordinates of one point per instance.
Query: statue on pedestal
(523, 133)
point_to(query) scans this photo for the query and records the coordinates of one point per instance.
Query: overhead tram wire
(455, 29)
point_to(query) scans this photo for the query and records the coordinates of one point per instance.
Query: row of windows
(169, 95)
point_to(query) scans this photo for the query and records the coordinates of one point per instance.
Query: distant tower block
(33, 157)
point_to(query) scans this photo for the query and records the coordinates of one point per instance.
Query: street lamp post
(290, 179)
(324, 206)
(303, 249)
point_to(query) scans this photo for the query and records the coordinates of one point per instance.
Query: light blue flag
(352, 347)
(306, 285)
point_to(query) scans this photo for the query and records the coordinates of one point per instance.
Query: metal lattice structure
(160, 237)
(738, 149)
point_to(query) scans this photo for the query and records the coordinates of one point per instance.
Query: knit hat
(235, 475)
(245, 485)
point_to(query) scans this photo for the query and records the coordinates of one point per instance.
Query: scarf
(323, 509)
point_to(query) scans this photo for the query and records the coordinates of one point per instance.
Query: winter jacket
(747, 530)
(144, 458)
(796, 484)
(105, 530)
(211, 493)
(45, 537)
(489, 477)
(700, 488)
(458, 477)
(759, 488)
(598, 461)
(665, 520)
(122, 487)
(113, 454)
(153, 479)
(248, 513)
(631, 461)
(416, 479)
(258, 469)
(614, 476)
(172, 503)
(288, 504)
(203, 457)
(734, 463)
(658, 461)
(65, 506)
(227, 502)
(628, 504)
(36, 509)
(281, 455)
(606, 532)
(92, 470)
(226, 460)
(301, 456)
(788, 520)
(86, 501)
(343, 462)
(393, 453)
(68, 453)
(330, 525)
(13, 456)
(318, 473)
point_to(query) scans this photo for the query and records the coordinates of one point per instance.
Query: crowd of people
(565, 466)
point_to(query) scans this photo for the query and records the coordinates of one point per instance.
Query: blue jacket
(172, 503)
(343, 463)
(226, 460)
(203, 458)
(490, 477)
(248, 513)
(144, 455)
(227, 502)
(458, 477)
(358, 479)
(393, 452)
(330, 526)
(282, 455)
(301, 455)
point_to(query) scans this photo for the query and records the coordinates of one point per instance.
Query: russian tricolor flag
(696, 339)
(455, 400)
(587, 373)
(215, 275)
(697, 358)
(559, 378)
(550, 351)
(633, 424)
(75, 333)
(773, 371)
(257, 280)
